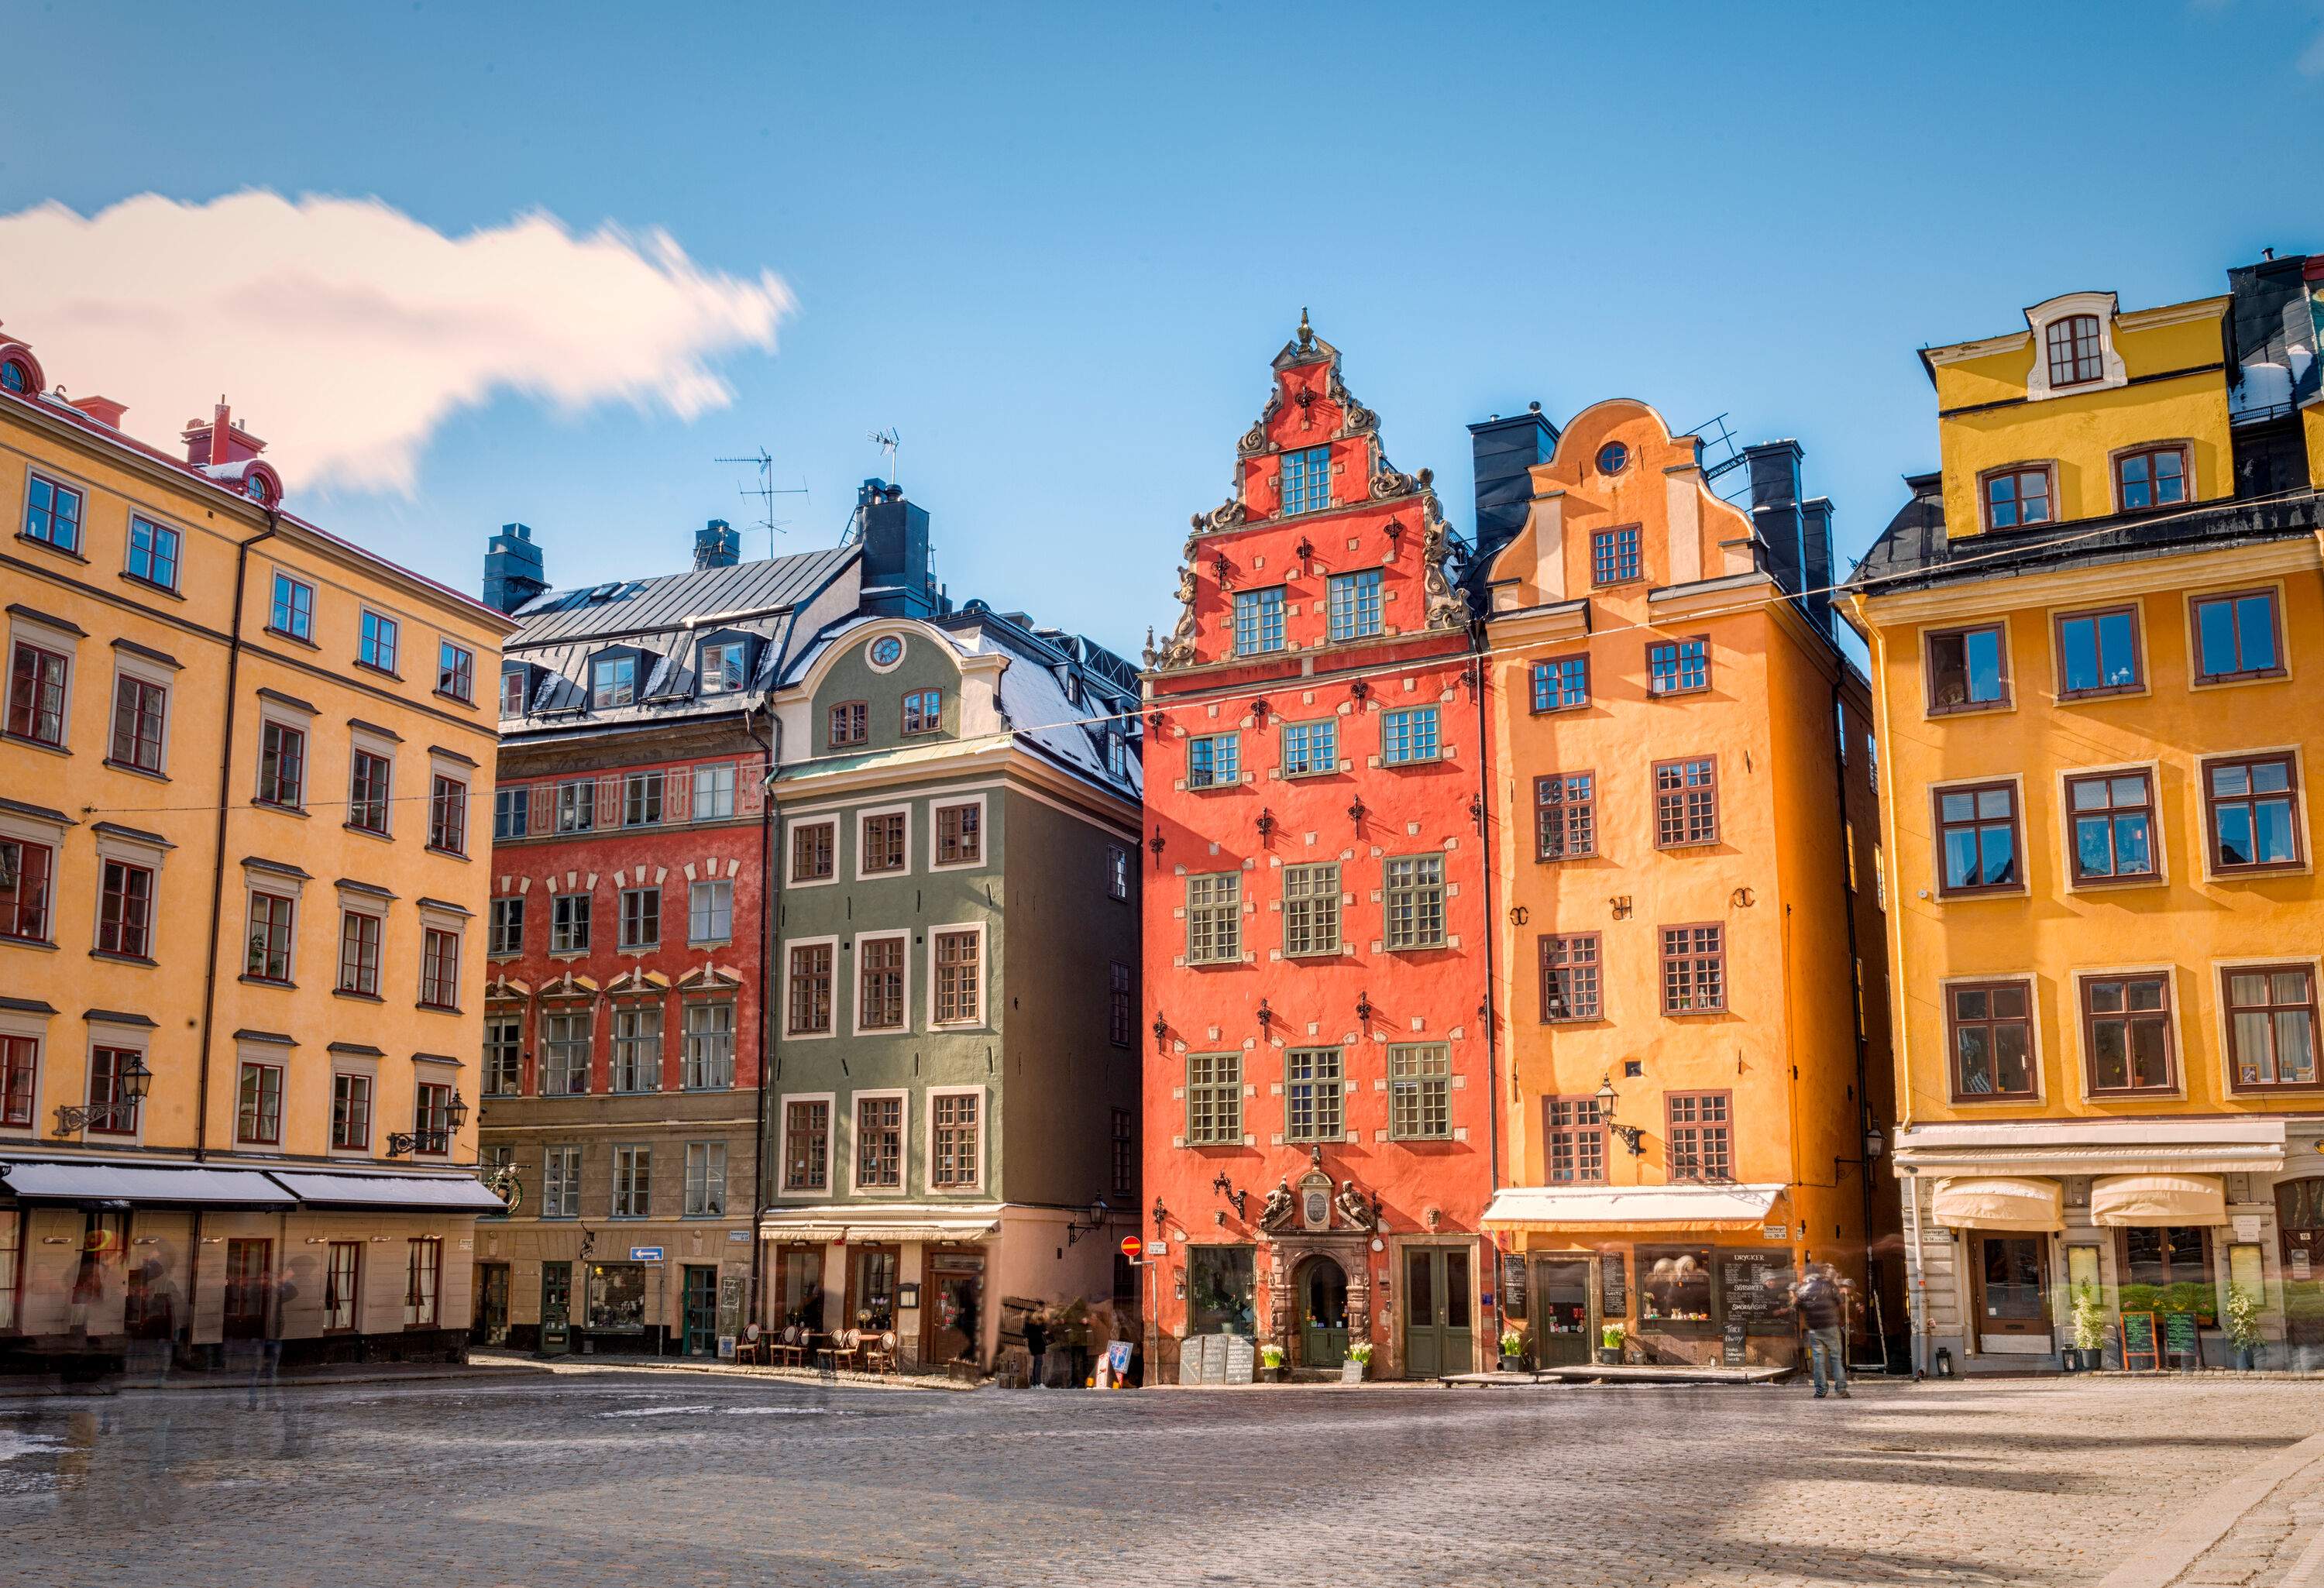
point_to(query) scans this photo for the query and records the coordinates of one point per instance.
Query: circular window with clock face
(1613, 457)
(887, 651)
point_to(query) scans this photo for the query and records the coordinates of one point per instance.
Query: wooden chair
(880, 1355)
(752, 1347)
(844, 1348)
(790, 1348)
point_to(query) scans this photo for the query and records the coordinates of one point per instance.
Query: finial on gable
(1307, 331)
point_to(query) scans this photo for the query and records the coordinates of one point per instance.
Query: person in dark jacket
(1821, 1301)
(1037, 1345)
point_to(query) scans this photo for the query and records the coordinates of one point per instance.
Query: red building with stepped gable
(1319, 1101)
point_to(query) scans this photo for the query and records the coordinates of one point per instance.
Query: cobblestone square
(679, 1478)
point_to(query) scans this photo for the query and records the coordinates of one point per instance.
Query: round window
(1613, 457)
(887, 651)
(13, 375)
(255, 487)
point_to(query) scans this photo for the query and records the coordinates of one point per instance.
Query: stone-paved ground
(668, 1478)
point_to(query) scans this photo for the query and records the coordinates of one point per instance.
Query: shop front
(919, 1275)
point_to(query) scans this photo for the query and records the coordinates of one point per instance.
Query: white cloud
(344, 332)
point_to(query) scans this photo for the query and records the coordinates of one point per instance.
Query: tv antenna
(887, 440)
(766, 492)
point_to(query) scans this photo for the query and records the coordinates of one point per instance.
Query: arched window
(2074, 350)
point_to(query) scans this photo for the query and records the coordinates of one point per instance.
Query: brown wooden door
(2012, 1274)
(247, 1266)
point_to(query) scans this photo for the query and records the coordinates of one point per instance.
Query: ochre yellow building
(2095, 638)
(244, 776)
(1691, 962)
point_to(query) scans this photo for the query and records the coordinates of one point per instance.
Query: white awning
(1659, 1207)
(2091, 1146)
(410, 1193)
(2146, 1200)
(1998, 1202)
(873, 1226)
(151, 1185)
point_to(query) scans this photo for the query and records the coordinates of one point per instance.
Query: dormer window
(2150, 476)
(515, 686)
(612, 681)
(2076, 355)
(722, 665)
(2017, 496)
(16, 375)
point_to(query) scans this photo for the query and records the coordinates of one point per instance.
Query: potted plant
(1358, 1362)
(1610, 1336)
(2089, 1330)
(1270, 1363)
(1512, 1349)
(2243, 1327)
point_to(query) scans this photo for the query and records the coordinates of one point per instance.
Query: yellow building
(241, 892)
(2094, 636)
(1690, 967)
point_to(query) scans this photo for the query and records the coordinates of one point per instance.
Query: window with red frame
(282, 766)
(431, 1118)
(111, 1112)
(258, 1105)
(439, 969)
(1694, 969)
(36, 696)
(125, 910)
(139, 709)
(1686, 802)
(1702, 1146)
(20, 1064)
(2075, 347)
(351, 1113)
(448, 815)
(1575, 1137)
(24, 870)
(269, 959)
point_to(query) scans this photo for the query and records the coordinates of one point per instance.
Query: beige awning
(2158, 1199)
(1672, 1209)
(1999, 1202)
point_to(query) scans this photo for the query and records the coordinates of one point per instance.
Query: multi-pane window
(1561, 683)
(720, 667)
(637, 1049)
(369, 779)
(292, 610)
(423, 1276)
(612, 681)
(36, 695)
(2113, 815)
(1565, 816)
(25, 871)
(1310, 909)
(342, 1284)
(880, 1005)
(1312, 1097)
(152, 552)
(850, 724)
(2272, 1024)
(561, 1183)
(124, 909)
(1415, 902)
(2098, 651)
(708, 1063)
(1122, 1142)
(1214, 917)
(456, 670)
(1573, 1140)
(714, 791)
(1976, 837)
(924, 711)
(883, 843)
(576, 805)
(504, 929)
(1307, 479)
(1992, 1034)
(139, 708)
(1117, 871)
(1258, 621)
(281, 765)
(705, 1179)
(258, 1105)
(2152, 476)
(2127, 1032)
(503, 1055)
(568, 923)
(1121, 1004)
(807, 1146)
(641, 800)
(514, 685)
(359, 932)
(1702, 1147)
(447, 814)
(2253, 807)
(52, 513)
(112, 1111)
(565, 1040)
(2238, 637)
(376, 645)
(440, 968)
(2074, 345)
(1420, 1092)
(1686, 802)
(350, 1113)
(1571, 987)
(1694, 969)
(878, 1143)
(431, 1118)
(640, 917)
(810, 1000)
(959, 834)
(20, 1061)
(2017, 497)
(960, 977)
(1352, 605)
(1310, 748)
(1214, 1099)
(1678, 667)
(812, 844)
(1213, 761)
(1614, 555)
(269, 958)
(710, 912)
(1408, 736)
(955, 1143)
(632, 1182)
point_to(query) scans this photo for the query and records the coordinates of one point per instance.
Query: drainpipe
(1847, 898)
(1478, 659)
(770, 750)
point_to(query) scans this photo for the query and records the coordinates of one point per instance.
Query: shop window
(1574, 1141)
(1214, 919)
(1569, 984)
(2237, 636)
(1992, 1039)
(1258, 621)
(2253, 813)
(1674, 1284)
(1310, 909)
(1220, 1290)
(2167, 1268)
(1214, 1099)
(2098, 653)
(2150, 477)
(1414, 905)
(1700, 1142)
(807, 1146)
(1561, 683)
(1312, 1097)
(1686, 802)
(617, 1297)
(1977, 838)
(2271, 1025)
(2113, 817)
(872, 1289)
(1967, 669)
(810, 998)
(1565, 816)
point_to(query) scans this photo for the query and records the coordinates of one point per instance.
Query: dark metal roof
(626, 608)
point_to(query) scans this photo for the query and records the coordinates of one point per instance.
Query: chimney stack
(717, 545)
(897, 578)
(1504, 451)
(220, 440)
(104, 411)
(1775, 467)
(513, 571)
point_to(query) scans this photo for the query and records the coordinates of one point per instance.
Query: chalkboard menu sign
(2180, 1340)
(1730, 1343)
(1613, 1286)
(1513, 1284)
(2138, 1347)
(1242, 1358)
(1757, 1288)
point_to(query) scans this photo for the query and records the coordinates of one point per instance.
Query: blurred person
(1820, 1297)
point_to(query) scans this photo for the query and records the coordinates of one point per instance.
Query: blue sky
(1056, 248)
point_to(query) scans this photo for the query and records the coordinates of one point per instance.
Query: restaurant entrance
(1438, 1337)
(1321, 1287)
(952, 1317)
(2299, 1223)
(2010, 1275)
(1561, 1311)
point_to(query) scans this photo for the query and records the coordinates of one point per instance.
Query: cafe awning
(1662, 1208)
(143, 1185)
(875, 1226)
(2158, 1199)
(392, 1192)
(1999, 1202)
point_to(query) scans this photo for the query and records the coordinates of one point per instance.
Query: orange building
(1689, 969)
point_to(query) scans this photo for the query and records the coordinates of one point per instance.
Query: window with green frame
(1420, 1090)
(1214, 1099)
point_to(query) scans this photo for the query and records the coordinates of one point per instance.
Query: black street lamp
(130, 1085)
(1096, 1213)
(433, 1139)
(1607, 1098)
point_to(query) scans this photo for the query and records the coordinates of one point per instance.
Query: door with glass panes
(1438, 1335)
(1561, 1311)
(701, 1301)
(2012, 1274)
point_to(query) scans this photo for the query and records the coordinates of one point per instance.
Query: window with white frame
(955, 1141)
(565, 1043)
(637, 1049)
(710, 912)
(632, 1182)
(705, 1179)
(714, 791)
(720, 664)
(503, 1055)
(709, 1057)
(561, 1183)
(959, 977)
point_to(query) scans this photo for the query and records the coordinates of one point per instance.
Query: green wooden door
(1323, 1314)
(701, 1311)
(1561, 1312)
(1438, 1336)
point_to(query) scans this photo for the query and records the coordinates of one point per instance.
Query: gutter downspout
(769, 870)
(1478, 659)
(1847, 898)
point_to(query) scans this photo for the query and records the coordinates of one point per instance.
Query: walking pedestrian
(1822, 1299)
(1037, 1345)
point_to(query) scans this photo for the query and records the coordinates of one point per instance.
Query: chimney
(1776, 509)
(220, 440)
(717, 545)
(513, 571)
(1816, 569)
(897, 578)
(104, 411)
(1504, 449)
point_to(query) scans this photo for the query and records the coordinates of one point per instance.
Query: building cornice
(2141, 571)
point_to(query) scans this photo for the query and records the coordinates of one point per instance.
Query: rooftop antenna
(766, 492)
(887, 440)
